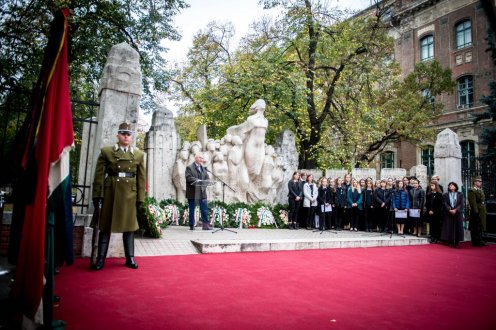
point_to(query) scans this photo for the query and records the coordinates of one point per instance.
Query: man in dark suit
(196, 191)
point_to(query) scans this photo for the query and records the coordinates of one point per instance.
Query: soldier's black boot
(103, 244)
(128, 240)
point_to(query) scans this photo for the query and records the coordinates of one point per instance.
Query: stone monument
(256, 171)
(448, 158)
(161, 144)
(287, 159)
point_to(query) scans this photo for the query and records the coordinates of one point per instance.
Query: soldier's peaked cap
(125, 128)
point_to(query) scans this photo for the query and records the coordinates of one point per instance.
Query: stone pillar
(120, 93)
(420, 172)
(287, 157)
(448, 158)
(161, 145)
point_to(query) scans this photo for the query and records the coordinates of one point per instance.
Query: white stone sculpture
(252, 133)
(242, 160)
(448, 158)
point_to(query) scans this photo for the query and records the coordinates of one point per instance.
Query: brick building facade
(453, 32)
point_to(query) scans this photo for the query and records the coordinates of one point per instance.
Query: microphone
(206, 169)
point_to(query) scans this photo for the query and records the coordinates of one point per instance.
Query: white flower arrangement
(171, 214)
(242, 217)
(219, 214)
(186, 215)
(265, 217)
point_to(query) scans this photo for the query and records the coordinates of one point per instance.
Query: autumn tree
(328, 77)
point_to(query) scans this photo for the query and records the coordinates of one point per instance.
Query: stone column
(287, 158)
(448, 158)
(119, 94)
(161, 145)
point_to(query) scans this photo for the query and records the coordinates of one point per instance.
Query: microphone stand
(223, 187)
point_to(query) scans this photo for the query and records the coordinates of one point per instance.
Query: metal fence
(83, 112)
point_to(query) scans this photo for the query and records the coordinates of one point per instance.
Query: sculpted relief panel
(241, 159)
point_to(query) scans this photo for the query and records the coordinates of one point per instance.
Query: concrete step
(221, 246)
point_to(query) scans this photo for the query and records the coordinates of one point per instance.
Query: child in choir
(417, 203)
(401, 202)
(354, 203)
(310, 194)
(325, 205)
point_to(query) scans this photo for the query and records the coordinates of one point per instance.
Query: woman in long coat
(452, 231)
(434, 214)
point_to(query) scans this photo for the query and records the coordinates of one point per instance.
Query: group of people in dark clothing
(348, 203)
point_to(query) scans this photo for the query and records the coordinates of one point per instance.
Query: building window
(427, 156)
(468, 154)
(463, 34)
(426, 48)
(465, 89)
(387, 159)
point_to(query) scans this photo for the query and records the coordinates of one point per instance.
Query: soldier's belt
(123, 175)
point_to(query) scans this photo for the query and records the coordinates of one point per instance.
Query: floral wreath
(219, 215)
(158, 216)
(242, 217)
(172, 214)
(265, 217)
(186, 215)
(283, 215)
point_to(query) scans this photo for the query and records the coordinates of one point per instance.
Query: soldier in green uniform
(119, 187)
(477, 204)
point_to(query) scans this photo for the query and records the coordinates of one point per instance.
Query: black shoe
(130, 263)
(191, 227)
(98, 265)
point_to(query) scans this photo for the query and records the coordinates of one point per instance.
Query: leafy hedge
(153, 215)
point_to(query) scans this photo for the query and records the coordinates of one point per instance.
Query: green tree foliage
(328, 78)
(95, 26)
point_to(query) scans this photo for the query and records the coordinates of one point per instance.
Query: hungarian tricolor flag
(45, 159)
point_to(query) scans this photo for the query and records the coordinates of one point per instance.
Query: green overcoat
(120, 180)
(477, 204)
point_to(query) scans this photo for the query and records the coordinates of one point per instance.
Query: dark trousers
(435, 226)
(338, 215)
(382, 214)
(192, 203)
(476, 232)
(368, 215)
(310, 215)
(294, 208)
(355, 215)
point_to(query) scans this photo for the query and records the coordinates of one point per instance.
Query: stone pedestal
(161, 145)
(448, 158)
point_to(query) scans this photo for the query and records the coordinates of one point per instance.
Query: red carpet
(417, 287)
